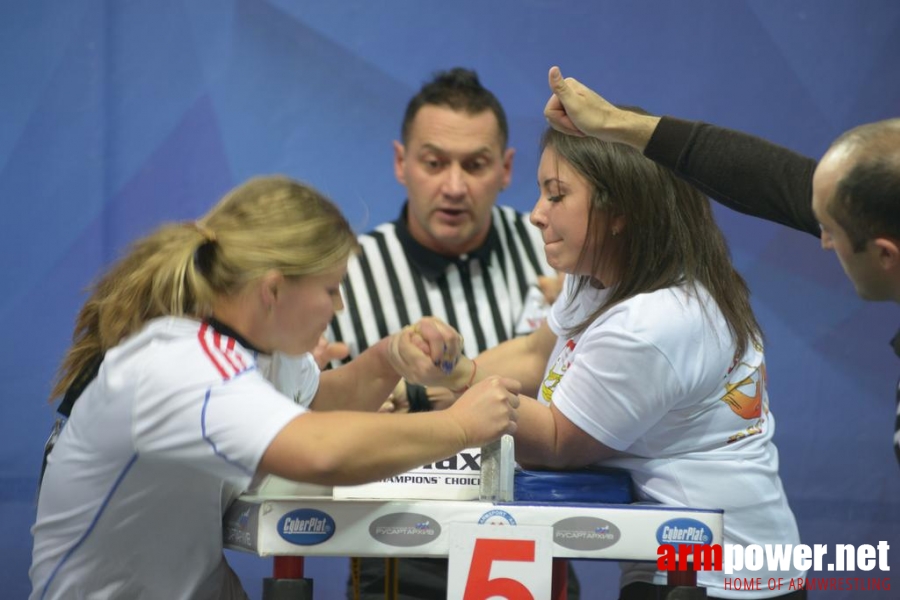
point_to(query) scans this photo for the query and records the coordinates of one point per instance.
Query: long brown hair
(180, 269)
(669, 239)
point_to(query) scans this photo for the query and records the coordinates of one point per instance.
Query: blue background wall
(118, 115)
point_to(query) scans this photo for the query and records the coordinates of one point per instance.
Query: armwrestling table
(289, 526)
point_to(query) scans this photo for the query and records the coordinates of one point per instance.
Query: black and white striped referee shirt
(395, 281)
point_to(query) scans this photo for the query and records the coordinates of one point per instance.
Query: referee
(451, 253)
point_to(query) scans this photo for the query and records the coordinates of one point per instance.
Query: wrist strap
(417, 396)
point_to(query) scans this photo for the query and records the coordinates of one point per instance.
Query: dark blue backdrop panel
(118, 116)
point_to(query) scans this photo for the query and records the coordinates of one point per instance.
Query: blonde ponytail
(180, 269)
(157, 277)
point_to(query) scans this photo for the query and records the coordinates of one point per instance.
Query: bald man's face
(863, 267)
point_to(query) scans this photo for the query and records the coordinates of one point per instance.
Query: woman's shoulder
(158, 333)
(184, 349)
(667, 317)
(662, 304)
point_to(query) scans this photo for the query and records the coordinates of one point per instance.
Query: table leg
(686, 578)
(560, 579)
(683, 585)
(287, 581)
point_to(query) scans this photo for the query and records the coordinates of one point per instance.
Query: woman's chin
(560, 266)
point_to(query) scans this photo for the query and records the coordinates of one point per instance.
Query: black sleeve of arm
(743, 172)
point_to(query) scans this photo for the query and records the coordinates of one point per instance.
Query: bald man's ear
(888, 253)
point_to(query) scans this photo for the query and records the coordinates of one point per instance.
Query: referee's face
(453, 166)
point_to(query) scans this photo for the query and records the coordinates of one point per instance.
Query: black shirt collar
(225, 330)
(431, 264)
(92, 368)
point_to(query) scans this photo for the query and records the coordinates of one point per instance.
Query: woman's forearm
(362, 384)
(524, 359)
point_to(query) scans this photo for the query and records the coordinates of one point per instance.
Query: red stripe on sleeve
(201, 335)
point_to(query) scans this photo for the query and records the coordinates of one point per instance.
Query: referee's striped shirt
(394, 281)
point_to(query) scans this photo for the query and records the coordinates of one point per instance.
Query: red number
(480, 586)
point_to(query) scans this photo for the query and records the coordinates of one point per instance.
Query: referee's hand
(397, 402)
(326, 351)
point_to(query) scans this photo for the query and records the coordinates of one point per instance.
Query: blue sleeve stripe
(212, 444)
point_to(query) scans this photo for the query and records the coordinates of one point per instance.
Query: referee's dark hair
(458, 89)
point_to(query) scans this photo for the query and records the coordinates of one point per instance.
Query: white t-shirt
(159, 444)
(296, 377)
(655, 377)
